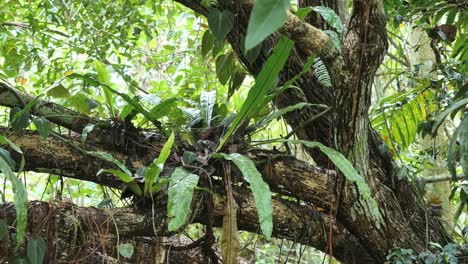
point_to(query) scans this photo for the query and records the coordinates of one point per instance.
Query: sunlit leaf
(263, 84)
(58, 91)
(156, 167)
(267, 16)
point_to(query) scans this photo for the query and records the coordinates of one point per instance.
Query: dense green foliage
(164, 68)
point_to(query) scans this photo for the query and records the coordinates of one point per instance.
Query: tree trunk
(403, 215)
(402, 219)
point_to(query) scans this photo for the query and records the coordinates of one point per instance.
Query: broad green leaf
(302, 13)
(264, 121)
(156, 167)
(86, 130)
(3, 229)
(237, 78)
(126, 250)
(122, 175)
(108, 157)
(180, 197)
(264, 81)
(330, 16)
(128, 179)
(267, 16)
(19, 119)
(220, 23)
(207, 102)
(224, 65)
(21, 199)
(162, 108)
(43, 126)
(348, 170)
(207, 43)
(58, 91)
(446, 112)
(5, 154)
(4, 140)
(36, 249)
(103, 77)
(260, 190)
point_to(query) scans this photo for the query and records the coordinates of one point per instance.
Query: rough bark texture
(347, 127)
(404, 219)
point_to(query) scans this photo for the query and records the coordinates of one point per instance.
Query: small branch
(27, 26)
(441, 178)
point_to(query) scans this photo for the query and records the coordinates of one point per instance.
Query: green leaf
(260, 190)
(180, 197)
(264, 81)
(264, 121)
(58, 91)
(156, 167)
(43, 126)
(86, 130)
(446, 112)
(134, 187)
(21, 198)
(19, 119)
(103, 77)
(237, 78)
(4, 140)
(207, 43)
(122, 175)
(348, 170)
(3, 229)
(267, 16)
(302, 13)
(126, 250)
(36, 249)
(330, 16)
(5, 154)
(162, 108)
(188, 157)
(220, 23)
(108, 157)
(207, 102)
(224, 65)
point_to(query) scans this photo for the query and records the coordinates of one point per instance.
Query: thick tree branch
(298, 223)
